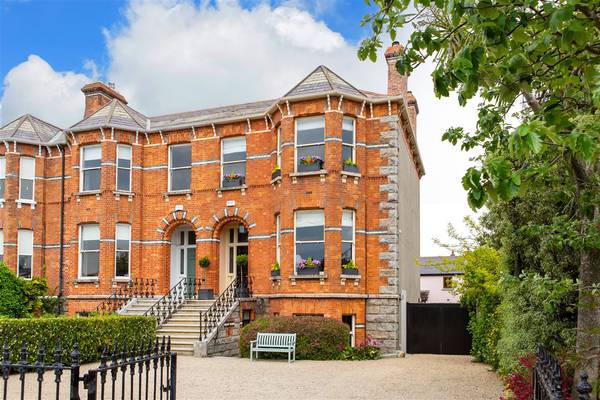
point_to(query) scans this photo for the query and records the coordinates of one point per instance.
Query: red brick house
(147, 197)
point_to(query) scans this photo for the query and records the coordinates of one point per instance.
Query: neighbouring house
(324, 175)
(438, 275)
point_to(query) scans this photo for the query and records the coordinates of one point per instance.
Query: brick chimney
(396, 82)
(97, 95)
(413, 109)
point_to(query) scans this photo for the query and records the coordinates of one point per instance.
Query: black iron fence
(147, 371)
(548, 380)
(135, 288)
(209, 319)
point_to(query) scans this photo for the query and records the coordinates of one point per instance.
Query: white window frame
(82, 169)
(278, 150)
(1, 245)
(178, 168)
(353, 241)
(81, 251)
(24, 252)
(352, 329)
(21, 178)
(278, 239)
(296, 213)
(3, 176)
(119, 147)
(353, 145)
(296, 145)
(128, 275)
(223, 163)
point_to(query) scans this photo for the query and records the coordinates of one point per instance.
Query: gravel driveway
(414, 377)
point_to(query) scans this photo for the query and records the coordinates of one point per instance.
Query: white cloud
(175, 55)
(34, 87)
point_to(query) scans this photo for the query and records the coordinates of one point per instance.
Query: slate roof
(29, 129)
(438, 266)
(322, 79)
(114, 114)
(189, 118)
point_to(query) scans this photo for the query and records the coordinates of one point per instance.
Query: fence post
(74, 391)
(91, 384)
(173, 384)
(583, 387)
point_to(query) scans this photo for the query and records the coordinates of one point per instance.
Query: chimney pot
(397, 84)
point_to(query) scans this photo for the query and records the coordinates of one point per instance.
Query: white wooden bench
(274, 343)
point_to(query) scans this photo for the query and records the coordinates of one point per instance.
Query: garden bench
(274, 343)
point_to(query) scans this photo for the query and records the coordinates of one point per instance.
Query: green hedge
(318, 338)
(92, 334)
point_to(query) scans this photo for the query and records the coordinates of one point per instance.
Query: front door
(183, 255)
(234, 243)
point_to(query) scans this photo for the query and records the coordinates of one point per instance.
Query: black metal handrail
(210, 319)
(163, 309)
(135, 288)
(548, 379)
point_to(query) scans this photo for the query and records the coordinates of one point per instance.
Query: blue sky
(177, 55)
(66, 33)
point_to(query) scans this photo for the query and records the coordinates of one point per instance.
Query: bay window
(26, 178)
(122, 250)
(310, 239)
(347, 236)
(233, 161)
(180, 167)
(91, 158)
(310, 143)
(123, 168)
(348, 140)
(25, 253)
(89, 250)
(2, 177)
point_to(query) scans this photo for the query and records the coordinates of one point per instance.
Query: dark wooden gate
(437, 329)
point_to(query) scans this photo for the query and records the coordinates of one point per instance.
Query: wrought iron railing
(210, 319)
(163, 309)
(548, 379)
(153, 363)
(135, 288)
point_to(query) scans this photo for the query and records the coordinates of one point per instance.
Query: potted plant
(308, 266)
(350, 166)
(233, 179)
(311, 163)
(349, 268)
(276, 173)
(275, 271)
(204, 294)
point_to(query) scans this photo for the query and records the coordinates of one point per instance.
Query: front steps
(183, 327)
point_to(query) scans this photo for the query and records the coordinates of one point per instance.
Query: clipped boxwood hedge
(317, 338)
(92, 334)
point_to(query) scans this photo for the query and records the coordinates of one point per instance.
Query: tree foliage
(535, 66)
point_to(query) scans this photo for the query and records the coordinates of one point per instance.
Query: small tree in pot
(204, 294)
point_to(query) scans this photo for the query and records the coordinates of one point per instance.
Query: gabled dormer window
(180, 167)
(310, 144)
(89, 177)
(26, 178)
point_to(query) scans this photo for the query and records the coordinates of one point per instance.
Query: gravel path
(412, 378)
(416, 377)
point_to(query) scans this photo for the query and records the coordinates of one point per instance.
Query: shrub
(13, 301)
(93, 334)
(366, 351)
(318, 338)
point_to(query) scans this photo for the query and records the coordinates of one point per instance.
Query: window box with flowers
(310, 164)
(349, 268)
(275, 270)
(308, 266)
(350, 166)
(233, 179)
(276, 173)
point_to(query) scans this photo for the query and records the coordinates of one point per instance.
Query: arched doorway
(234, 242)
(183, 254)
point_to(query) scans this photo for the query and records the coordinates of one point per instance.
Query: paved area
(416, 377)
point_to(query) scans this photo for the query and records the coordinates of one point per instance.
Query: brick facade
(384, 196)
